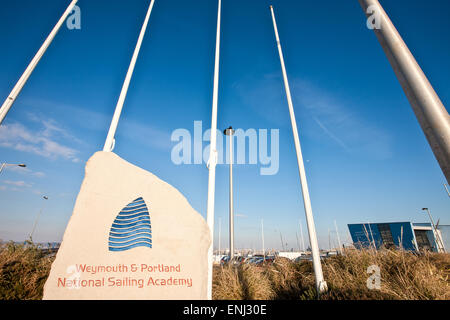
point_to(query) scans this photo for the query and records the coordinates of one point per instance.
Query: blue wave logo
(131, 228)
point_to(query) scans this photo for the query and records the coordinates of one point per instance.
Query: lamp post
(338, 238)
(11, 165)
(435, 231)
(37, 218)
(229, 132)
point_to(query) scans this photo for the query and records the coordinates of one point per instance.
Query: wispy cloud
(319, 114)
(27, 171)
(139, 132)
(331, 135)
(17, 183)
(42, 142)
(38, 174)
(19, 186)
(340, 120)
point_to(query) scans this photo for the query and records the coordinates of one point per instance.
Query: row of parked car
(257, 260)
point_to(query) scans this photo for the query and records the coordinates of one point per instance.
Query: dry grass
(241, 283)
(23, 271)
(404, 276)
(256, 283)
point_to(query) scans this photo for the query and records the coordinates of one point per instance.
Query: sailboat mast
(301, 235)
(262, 236)
(338, 237)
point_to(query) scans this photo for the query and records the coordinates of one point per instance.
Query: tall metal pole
(298, 241)
(428, 108)
(436, 234)
(371, 235)
(329, 240)
(446, 189)
(37, 218)
(282, 243)
(301, 235)
(110, 142)
(23, 79)
(338, 238)
(229, 132)
(220, 231)
(262, 236)
(213, 155)
(321, 285)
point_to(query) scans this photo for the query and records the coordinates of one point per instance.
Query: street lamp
(435, 231)
(229, 132)
(37, 218)
(11, 165)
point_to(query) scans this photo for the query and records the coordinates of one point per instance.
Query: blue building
(407, 235)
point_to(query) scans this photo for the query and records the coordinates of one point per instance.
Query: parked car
(240, 260)
(224, 260)
(269, 260)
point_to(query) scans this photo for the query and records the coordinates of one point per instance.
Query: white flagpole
(213, 156)
(23, 79)
(321, 285)
(109, 143)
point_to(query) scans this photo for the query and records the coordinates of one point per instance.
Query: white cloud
(17, 183)
(27, 171)
(137, 131)
(41, 142)
(38, 174)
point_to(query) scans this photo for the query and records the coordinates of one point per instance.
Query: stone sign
(131, 236)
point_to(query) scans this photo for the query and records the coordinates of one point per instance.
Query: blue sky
(366, 156)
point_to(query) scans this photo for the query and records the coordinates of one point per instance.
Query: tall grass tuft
(256, 283)
(226, 284)
(23, 271)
